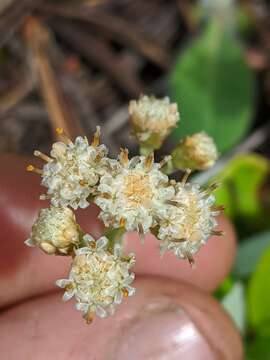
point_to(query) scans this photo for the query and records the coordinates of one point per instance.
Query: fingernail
(168, 334)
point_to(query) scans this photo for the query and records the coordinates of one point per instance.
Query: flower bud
(195, 152)
(152, 120)
(55, 231)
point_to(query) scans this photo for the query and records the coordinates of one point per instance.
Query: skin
(33, 315)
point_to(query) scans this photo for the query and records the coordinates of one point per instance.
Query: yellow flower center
(137, 190)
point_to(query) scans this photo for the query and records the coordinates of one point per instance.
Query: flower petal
(118, 297)
(29, 242)
(68, 295)
(62, 283)
(101, 312)
(102, 242)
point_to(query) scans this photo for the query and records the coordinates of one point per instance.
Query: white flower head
(73, 170)
(196, 152)
(189, 221)
(132, 196)
(98, 279)
(153, 119)
(55, 231)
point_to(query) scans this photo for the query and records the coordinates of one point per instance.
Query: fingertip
(212, 263)
(165, 319)
(25, 272)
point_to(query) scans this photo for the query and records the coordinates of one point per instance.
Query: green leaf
(214, 87)
(258, 295)
(224, 288)
(243, 179)
(249, 252)
(234, 303)
(259, 349)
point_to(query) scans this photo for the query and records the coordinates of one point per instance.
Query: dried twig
(4, 4)
(39, 42)
(13, 16)
(13, 96)
(115, 28)
(29, 111)
(116, 121)
(98, 53)
(185, 8)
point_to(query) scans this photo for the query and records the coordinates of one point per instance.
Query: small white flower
(55, 231)
(98, 279)
(153, 119)
(132, 196)
(73, 171)
(188, 222)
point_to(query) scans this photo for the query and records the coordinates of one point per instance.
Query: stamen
(122, 222)
(175, 203)
(185, 177)
(98, 158)
(164, 161)
(190, 259)
(149, 161)
(125, 293)
(218, 207)
(89, 317)
(31, 168)
(60, 132)
(96, 139)
(141, 233)
(93, 244)
(179, 240)
(42, 156)
(213, 187)
(217, 233)
(123, 157)
(105, 195)
(82, 182)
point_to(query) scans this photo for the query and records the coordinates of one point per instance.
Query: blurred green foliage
(242, 192)
(215, 91)
(234, 303)
(248, 254)
(258, 349)
(258, 294)
(245, 294)
(214, 87)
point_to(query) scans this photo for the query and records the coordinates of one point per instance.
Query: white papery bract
(188, 222)
(98, 279)
(55, 231)
(73, 172)
(132, 196)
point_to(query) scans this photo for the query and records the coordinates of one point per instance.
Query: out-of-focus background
(76, 64)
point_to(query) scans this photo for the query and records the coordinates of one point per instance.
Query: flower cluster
(133, 194)
(73, 171)
(188, 222)
(98, 279)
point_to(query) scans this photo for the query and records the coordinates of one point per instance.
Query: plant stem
(115, 236)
